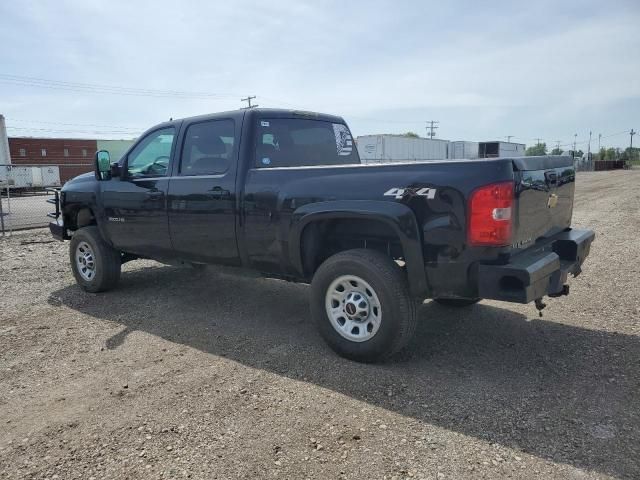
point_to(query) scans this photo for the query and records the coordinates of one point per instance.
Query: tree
(539, 149)
(602, 153)
(412, 135)
(630, 154)
(556, 151)
(610, 154)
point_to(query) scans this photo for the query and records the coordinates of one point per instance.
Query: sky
(485, 70)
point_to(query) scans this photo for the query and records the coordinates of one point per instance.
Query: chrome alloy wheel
(85, 261)
(353, 308)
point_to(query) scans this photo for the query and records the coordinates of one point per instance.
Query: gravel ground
(179, 373)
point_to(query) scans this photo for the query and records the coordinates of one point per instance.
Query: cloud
(484, 70)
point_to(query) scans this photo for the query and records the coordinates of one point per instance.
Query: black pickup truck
(284, 193)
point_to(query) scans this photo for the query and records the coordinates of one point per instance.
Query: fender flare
(398, 217)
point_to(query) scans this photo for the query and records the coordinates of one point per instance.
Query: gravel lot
(180, 373)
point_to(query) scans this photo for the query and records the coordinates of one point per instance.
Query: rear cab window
(297, 142)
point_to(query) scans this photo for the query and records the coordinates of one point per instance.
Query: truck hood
(84, 178)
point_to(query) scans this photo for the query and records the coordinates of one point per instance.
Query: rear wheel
(362, 306)
(95, 264)
(457, 302)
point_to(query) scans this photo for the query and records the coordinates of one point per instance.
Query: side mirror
(103, 165)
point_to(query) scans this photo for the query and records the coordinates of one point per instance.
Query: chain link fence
(24, 194)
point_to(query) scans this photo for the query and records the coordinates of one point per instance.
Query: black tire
(107, 261)
(456, 302)
(398, 309)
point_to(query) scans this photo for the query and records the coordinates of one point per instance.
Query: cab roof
(255, 113)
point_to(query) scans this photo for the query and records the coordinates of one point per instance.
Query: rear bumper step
(539, 271)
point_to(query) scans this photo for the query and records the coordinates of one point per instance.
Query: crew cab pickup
(284, 193)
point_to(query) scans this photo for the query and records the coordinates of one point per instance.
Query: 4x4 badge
(399, 193)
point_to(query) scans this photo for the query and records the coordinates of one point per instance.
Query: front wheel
(95, 264)
(362, 306)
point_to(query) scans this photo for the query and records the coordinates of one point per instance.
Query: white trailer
(50, 176)
(26, 177)
(463, 150)
(501, 149)
(22, 177)
(400, 148)
(36, 177)
(5, 178)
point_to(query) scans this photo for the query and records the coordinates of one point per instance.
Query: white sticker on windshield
(344, 142)
(264, 123)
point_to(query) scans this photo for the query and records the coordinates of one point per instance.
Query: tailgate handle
(551, 177)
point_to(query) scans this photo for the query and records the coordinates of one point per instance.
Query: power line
(94, 132)
(105, 89)
(38, 122)
(584, 142)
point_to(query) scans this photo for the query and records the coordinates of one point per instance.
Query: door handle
(155, 195)
(219, 192)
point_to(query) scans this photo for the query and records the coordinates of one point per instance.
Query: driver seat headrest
(208, 144)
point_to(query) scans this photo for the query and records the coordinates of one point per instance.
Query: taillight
(490, 215)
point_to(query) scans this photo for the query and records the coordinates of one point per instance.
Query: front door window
(150, 158)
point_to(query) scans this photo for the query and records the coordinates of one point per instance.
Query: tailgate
(544, 197)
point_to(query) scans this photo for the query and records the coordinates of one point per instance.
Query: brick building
(73, 156)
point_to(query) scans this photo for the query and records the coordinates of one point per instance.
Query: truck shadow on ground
(559, 392)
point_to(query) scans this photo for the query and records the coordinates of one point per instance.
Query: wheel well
(81, 217)
(324, 238)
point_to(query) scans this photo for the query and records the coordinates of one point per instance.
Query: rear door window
(207, 148)
(295, 142)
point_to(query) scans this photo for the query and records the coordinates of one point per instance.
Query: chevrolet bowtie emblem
(553, 200)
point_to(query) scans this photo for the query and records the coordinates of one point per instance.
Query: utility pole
(631, 134)
(431, 128)
(538, 141)
(575, 138)
(589, 150)
(599, 148)
(557, 145)
(248, 100)
(509, 137)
